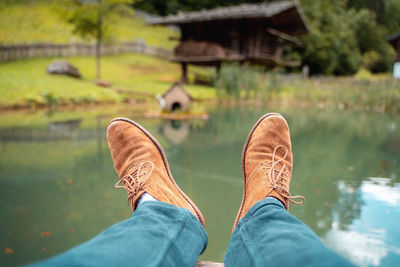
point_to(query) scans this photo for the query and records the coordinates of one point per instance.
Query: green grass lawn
(28, 21)
(25, 82)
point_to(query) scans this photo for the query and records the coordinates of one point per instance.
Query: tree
(331, 47)
(392, 16)
(90, 19)
(387, 12)
(376, 20)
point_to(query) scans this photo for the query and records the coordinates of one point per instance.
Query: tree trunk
(98, 40)
(98, 59)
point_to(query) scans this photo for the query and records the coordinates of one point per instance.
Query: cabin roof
(243, 11)
(393, 39)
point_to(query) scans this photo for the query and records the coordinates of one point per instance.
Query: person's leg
(157, 234)
(165, 230)
(268, 235)
(264, 233)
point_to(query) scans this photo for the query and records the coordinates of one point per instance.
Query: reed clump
(236, 82)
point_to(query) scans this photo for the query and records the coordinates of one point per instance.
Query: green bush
(370, 59)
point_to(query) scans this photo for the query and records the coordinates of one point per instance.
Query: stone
(103, 83)
(63, 68)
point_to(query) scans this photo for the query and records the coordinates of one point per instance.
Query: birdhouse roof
(177, 86)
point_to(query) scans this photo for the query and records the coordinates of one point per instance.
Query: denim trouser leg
(269, 236)
(158, 234)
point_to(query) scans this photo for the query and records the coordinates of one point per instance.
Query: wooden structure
(255, 33)
(176, 98)
(394, 40)
(209, 264)
(34, 50)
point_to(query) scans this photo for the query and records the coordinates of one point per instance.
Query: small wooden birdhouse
(176, 98)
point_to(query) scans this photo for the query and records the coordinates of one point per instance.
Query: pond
(57, 178)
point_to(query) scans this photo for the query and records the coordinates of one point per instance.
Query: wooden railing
(35, 50)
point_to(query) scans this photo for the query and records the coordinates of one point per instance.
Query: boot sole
(166, 165)
(243, 163)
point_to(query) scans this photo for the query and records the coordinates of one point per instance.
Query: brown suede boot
(142, 166)
(267, 164)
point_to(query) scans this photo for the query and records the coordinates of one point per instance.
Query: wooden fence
(34, 50)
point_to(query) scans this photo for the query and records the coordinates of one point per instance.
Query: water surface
(57, 178)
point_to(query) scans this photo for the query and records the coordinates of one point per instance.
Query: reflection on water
(56, 179)
(176, 131)
(372, 239)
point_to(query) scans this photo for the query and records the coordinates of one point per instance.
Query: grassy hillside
(27, 21)
(26, 82)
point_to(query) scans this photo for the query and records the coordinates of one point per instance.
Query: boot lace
(279, 177)
(135, 182)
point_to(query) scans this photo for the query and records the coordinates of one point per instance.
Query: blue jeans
(159, 234)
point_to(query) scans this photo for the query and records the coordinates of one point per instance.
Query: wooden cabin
(176, 98)
(394, 40)
(254, 33)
